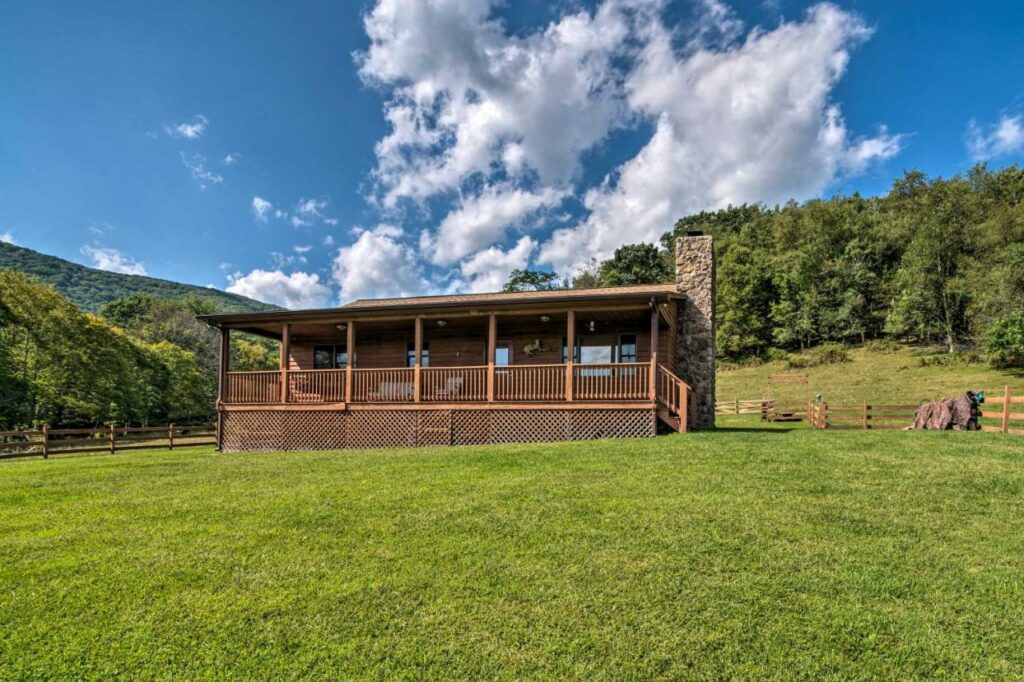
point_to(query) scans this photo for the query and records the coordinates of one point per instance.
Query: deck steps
(671, 420)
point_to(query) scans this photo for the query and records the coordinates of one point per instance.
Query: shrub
(825, 354)
(1006, 341)
(958, 359)
(882, 346)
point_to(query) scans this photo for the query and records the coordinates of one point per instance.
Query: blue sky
(311, 152)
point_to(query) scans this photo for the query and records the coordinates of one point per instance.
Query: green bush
(1006, 341)
(825, 354)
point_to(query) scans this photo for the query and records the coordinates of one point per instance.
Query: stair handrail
(675, 394)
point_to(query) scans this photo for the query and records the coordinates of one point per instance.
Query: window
(502, 355)
(329, 356)
(410, 354)
(627, 348)
(599, 350)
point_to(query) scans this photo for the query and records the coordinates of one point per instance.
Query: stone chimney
(695, 360)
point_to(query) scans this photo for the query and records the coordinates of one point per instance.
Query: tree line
(933, 260)
(141, 360)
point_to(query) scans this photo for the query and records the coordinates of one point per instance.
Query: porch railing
(383, 385)
(252, 387)
(453, 384)
(316, 386)
(622, 381)
(529, 382)
(512, 383)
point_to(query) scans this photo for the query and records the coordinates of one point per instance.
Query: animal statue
(535, 346)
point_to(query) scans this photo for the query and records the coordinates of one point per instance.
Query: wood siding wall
(462, 349)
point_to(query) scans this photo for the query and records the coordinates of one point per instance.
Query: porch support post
(350, 355)
(492, 346)
(286, 353)
(570, 344)
(224, 365)
(654, 352)
(418, 363)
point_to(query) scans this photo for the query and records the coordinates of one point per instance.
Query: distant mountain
(89, 288)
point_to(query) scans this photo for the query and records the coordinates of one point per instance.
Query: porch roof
(380, 308)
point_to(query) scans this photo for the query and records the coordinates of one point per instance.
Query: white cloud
(305, 213)
(328, 241)
(469, 98)
(231, 159)
(189, 130)
(311, 207)
(1005, 137)
(8, 238)
(200, 173)
(299, 248)
(112, 260)
(261, 208)
(483, 219)
(297, 290)
(378, 263)
(488, 270)
(752, 121)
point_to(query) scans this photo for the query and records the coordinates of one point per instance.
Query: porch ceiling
(614, 303)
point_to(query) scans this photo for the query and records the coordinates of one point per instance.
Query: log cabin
(567, 364)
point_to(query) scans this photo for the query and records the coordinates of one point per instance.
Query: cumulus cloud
(112, 260)
(231, 159)
(469, 98)
(483, 219)
(261, 209)
(750, 122)
(1005, 137)
(488, 270)
(297, 290)
(190, 130)
(8, 238)
(204, 177)
(495, 124)
(378, 263)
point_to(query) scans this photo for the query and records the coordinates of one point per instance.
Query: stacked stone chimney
(695, 361)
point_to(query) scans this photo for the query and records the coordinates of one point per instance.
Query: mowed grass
(742, 553)
(885, 377)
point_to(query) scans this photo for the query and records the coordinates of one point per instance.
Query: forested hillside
(142, 360)
(90, 289)
(937, 261)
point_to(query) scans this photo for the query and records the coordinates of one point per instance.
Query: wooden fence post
(824, 415)
(46, 441)
(865, 414)
(170, 436)
(737, 405)
(110, 437)
(1006, 410)
(684, 407)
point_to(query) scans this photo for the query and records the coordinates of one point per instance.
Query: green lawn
(742, 552)
(893, 376)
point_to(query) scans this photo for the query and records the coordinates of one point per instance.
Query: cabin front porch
(535, 373)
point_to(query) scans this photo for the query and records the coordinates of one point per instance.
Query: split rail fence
(45, 441)
(997, 415)
(737, 406)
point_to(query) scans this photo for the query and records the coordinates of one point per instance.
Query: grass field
(891, 376)
(743, 552)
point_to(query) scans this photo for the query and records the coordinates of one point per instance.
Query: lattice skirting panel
(268, 430)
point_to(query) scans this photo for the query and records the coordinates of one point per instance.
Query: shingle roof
(518, 296)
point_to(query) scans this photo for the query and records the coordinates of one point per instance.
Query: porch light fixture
(591, 326)
(341, 327)
(545, 318)
(442, 323)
